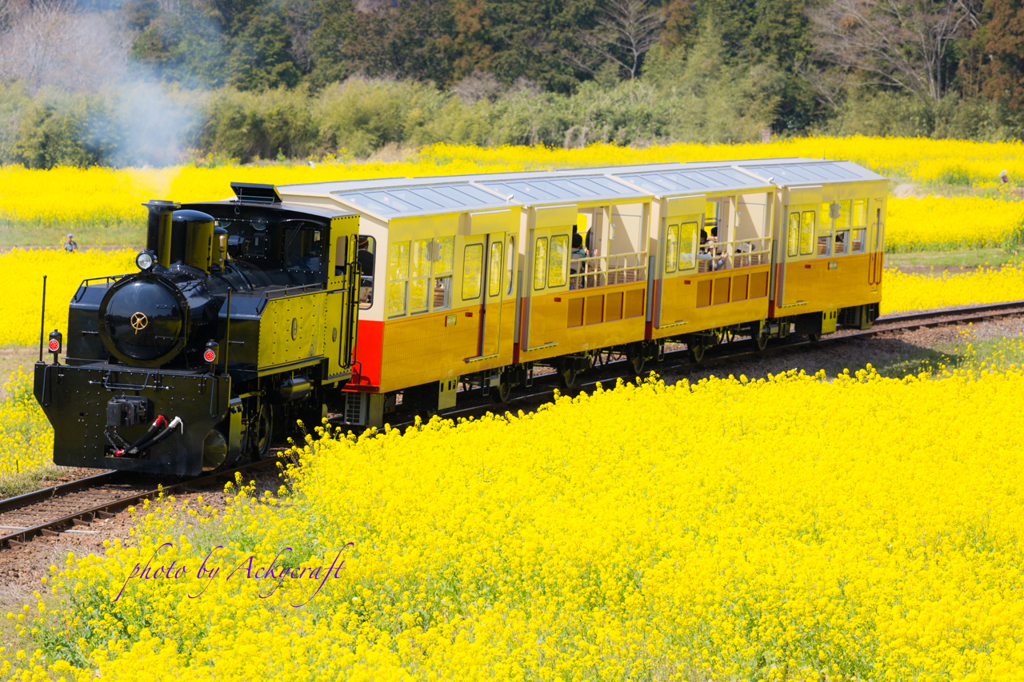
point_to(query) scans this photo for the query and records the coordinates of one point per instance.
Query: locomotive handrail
(284, 291)
(85, 284)
(126, 387)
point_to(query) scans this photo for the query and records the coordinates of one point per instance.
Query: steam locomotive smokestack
(158, 230)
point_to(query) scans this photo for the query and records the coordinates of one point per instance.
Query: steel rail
(43, 494)
(105, 509)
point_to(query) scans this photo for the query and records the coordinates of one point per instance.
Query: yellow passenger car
(478, 279)
(437, 297)
(711, 228)
(830, 238)
(576, 298)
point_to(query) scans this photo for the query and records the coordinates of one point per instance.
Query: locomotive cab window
(275, 253)
(301, 249)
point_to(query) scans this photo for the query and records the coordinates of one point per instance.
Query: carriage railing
(599, 271)
(739, 253)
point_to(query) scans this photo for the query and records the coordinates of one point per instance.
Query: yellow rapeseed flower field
(21, 284)
(903, 292)
(783, 529)
(101, 196)
(26, 438)
(945, 223)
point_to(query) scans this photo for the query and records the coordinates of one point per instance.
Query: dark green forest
(157, 81)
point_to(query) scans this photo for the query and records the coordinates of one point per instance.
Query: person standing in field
(69, 244)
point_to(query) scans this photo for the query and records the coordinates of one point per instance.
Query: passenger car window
(494, 270)
(843, 221)
(472, 268)
(671, 248)
(806, 233)
(445, 251)
(510, 256)
(857, 243)
(860, 213)
(365, 258)
(687, 237)
(793, 238)
(398, 278)
(419, 275)
(558, 260)
(540, 263)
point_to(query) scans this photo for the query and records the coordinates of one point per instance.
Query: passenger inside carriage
(839, 247)
(365, 259)
(709, 258)
(578, 252)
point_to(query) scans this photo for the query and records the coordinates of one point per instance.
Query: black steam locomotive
(241, 320)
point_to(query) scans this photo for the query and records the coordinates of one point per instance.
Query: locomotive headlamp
(145, 260)
(210, 354)
(55, 344)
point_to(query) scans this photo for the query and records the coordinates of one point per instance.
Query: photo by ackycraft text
(245, 569)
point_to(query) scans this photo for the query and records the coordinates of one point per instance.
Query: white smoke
(154, 126)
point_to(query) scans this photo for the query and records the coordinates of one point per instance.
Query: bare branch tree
(623, 35)
(896, 43)
(830, 86)
(52, 43)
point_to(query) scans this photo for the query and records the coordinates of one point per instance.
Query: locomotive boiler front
(144, 320)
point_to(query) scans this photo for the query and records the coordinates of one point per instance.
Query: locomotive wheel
(815, 337)
(503, 391)
(760, 341)
(263, 424)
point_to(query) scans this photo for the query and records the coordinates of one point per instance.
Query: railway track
(72, 507)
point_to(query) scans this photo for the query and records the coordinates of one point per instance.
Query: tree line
(296, 78)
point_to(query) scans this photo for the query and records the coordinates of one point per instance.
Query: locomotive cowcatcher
(240, 320)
